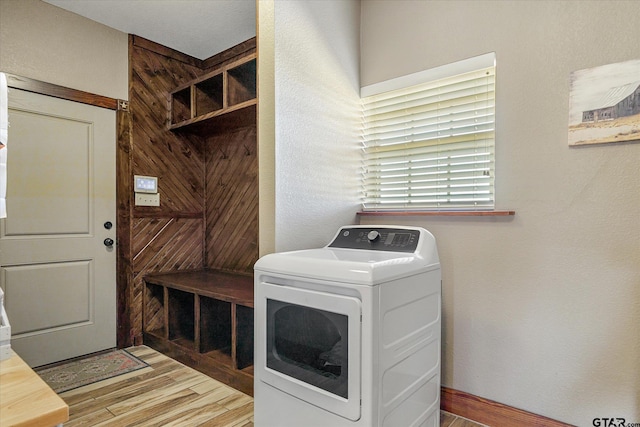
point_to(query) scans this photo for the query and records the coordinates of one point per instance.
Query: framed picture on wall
(605, 104)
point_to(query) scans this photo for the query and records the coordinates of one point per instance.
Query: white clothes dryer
(349, 334)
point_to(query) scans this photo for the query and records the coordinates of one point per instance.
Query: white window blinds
(428, 139)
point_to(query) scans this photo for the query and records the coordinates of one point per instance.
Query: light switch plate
(147, 199)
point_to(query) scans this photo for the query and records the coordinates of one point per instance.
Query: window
(428, 139)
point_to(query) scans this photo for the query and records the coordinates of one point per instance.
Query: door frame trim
(56, 91)
(124, 337)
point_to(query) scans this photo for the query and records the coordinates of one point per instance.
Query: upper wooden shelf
(224, 96)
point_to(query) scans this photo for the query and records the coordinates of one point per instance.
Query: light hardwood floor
(450, 420)
(166, 394)
(169, 394)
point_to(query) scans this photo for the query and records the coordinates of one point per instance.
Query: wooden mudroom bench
(203, 319)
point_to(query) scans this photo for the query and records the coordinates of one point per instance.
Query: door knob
(108, 225)
(108, 242)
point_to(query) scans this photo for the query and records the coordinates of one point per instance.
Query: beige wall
(44, 42)
(541, 310)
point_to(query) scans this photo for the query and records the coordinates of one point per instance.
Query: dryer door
(312, 347)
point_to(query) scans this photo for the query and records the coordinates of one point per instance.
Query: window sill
(436, 213)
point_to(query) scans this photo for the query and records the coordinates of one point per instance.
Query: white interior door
(55, 269)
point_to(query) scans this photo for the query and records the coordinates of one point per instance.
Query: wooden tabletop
(25, 399)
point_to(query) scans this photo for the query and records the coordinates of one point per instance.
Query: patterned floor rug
(78, 373)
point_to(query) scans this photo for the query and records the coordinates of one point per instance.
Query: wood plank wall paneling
(232, 200)
(230, 55)
(163, 244)
(177, 160)
(166, 52)
(173, 235)
(154, 309)
(166, 244)
(170, 236)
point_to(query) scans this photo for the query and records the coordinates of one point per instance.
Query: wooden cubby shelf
(217, 99)
(204, 319)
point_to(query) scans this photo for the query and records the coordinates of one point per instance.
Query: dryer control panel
(377, 239)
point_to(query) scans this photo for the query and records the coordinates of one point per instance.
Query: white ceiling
(200, 28)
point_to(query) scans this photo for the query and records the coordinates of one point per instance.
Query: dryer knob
(373, 236)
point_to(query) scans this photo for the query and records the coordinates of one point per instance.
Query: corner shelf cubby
(203, 319)
(181, 105)
(219, 95)
(155, 308)
(208, 95)
(181, 318)
(241, 83)
(215, 328)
